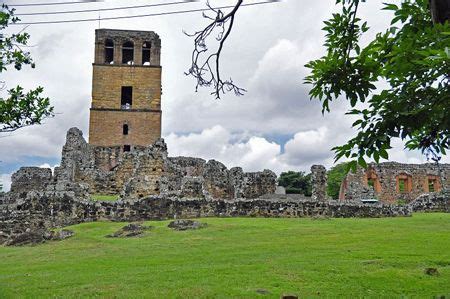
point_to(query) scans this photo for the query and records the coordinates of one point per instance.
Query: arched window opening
(146, 53)
(128, 52)
(125, 129)
(433, 184)
(109, 51)
(404, 183)
(372, 180)
(126, 98)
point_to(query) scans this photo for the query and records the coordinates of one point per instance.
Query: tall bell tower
(126, 89)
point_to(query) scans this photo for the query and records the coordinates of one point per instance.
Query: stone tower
(126, 89)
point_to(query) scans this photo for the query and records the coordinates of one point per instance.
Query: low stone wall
(49, 209)
(431, 202)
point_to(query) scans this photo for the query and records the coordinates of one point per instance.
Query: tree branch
(207, 70)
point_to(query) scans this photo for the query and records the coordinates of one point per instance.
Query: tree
(335, 177)
(21, 108)
(412, 56)
(296, 182)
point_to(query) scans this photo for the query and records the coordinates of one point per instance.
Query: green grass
(235, 257)
(104, 197)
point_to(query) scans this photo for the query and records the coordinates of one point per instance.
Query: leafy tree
(335, 177)
(21, 108)
(296, 182)
(412, 56)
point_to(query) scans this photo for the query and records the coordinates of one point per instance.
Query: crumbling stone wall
(42, 210)
(148, 171)
(432, 202)
(30, 178)
(385, 178)
(319, 182)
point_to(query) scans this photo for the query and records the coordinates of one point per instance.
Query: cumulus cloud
(254, 153)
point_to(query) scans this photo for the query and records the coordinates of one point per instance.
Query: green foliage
(296, 182)
(104, 197)
(335, 177)
(412, 56)
(401, 202)
(235, 257)
(21, 108)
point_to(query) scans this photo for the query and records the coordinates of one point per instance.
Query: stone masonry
(149, 171)
(393, 181)
(319, 182)
(137, 121)
(155, 186)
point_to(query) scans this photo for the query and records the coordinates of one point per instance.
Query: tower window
(126, 99)
(126, 148)
(146, 53)
(125, 129)
(128, 52)
(109, 51)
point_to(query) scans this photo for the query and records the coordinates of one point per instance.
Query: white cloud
(253, 153)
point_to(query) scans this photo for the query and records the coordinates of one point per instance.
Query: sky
(273, 126)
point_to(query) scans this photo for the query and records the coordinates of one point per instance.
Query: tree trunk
(440, 10)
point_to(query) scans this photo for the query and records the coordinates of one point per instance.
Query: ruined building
(126, 89)
(126, 156)
(393, 181)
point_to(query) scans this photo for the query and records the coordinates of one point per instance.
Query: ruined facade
(146, 171)
(153, 186)
(391, 181)
(126, 89)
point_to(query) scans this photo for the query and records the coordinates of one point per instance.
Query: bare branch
(206, 68)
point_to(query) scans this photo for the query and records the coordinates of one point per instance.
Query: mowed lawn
(239, 257)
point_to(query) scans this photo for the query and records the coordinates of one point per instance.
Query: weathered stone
(319, 182)
(391, 181)
(149, 171)
(30, 178)
(27, 238)
(141, 114)
(433, 202)
(130, 230)
(183, 224)
(59, 235)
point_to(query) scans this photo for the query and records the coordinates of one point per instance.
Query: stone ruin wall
(149, 171)
(386, 176)
(154, 186)
(43, 210)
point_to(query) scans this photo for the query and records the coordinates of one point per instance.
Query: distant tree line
(300, 182)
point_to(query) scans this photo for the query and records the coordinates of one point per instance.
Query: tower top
(132, 47)
(119, 35)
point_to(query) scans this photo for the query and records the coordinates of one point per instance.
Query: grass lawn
(103, 197)
(239, 257)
